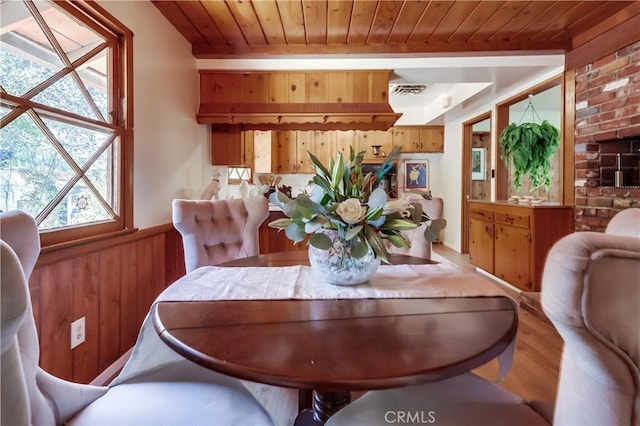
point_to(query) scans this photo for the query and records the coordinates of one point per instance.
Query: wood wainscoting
(110, 282)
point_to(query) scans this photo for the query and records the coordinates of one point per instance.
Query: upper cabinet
(419, 138)
(229, 146)
(365, 141)
(326, 100)
(291, 151)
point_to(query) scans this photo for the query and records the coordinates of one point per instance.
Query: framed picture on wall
(415, 174)
(478, 163)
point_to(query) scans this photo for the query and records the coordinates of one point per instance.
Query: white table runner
(443, 279)
(300, 282)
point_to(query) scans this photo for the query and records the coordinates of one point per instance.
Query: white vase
(336, 265)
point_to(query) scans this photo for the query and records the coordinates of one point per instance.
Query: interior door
(476, 168)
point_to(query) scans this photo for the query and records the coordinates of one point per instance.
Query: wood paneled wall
(110, 282)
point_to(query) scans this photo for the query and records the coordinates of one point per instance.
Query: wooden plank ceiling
(236, 28)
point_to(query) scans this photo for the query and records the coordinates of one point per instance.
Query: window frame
(121, 84)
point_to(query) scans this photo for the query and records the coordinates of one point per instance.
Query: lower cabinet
(272, 240)
(481, 237)
(512, 241)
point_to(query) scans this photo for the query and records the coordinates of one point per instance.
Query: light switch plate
(77, 332)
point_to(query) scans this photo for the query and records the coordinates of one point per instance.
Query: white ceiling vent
(407, 89)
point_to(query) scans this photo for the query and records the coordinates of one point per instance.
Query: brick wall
(607, 123)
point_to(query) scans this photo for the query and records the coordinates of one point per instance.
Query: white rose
(351, 211)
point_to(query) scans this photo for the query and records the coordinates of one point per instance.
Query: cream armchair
(179, 393)
(591, 293)
(218, 231)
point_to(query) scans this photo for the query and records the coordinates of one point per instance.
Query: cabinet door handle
(509, 219)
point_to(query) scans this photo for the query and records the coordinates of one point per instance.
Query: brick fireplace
(607, 127)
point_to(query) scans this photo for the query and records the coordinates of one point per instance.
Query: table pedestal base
(325, 404)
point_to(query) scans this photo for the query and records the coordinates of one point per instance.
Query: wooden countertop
(546, 204)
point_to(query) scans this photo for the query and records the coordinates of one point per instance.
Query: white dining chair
(178, 393)
(218, 231)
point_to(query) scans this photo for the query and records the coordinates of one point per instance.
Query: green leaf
(373, 214)
(398, 241)
(376, 243)
(320, 241)
(358, 249)
(318, 164)
(399, 224)
(295, 233)
(352, 232)
(337, 172)
(280, 223)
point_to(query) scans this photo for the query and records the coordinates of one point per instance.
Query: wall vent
(407, 89)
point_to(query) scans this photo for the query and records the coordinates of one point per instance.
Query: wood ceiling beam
(204, 51)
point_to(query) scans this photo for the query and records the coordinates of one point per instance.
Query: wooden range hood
(323, 100)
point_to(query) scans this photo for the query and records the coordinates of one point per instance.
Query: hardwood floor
(533, 376)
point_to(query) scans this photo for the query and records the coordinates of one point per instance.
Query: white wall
(450, 179)
(171, 154)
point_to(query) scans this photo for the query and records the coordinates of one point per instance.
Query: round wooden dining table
(335, 346)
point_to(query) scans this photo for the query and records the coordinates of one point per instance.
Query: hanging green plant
(530, 146)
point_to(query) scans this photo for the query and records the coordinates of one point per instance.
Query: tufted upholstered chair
(219, 231)
(180, 393)
(591, 293)
(419, 246)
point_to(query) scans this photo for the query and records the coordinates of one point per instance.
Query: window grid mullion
(63, 57)
(61, 114)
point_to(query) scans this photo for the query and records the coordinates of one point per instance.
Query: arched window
(64, 127)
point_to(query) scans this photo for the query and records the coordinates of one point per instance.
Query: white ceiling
(455, 84)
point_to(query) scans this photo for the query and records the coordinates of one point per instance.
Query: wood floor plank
(536, 364)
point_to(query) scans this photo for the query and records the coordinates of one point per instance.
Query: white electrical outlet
(77, 332)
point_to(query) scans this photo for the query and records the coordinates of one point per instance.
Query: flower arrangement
(349, 202)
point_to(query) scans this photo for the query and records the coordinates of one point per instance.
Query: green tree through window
(60, 139)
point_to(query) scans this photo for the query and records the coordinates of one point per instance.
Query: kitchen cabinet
(296, 100)
(365, 140)
(272, 240)
(324, 147)
(286, 151)
(511, 241)
(345, 139)
(292, 151)
(419, 139)
(228, 146)
(265, 157)
(481, 237)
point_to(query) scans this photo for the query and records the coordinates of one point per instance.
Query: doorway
(476, 168)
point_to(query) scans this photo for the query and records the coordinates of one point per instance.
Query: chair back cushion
(591, 293)
(48, 399)
(219, 231)
(15, 397)
(625, 223)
